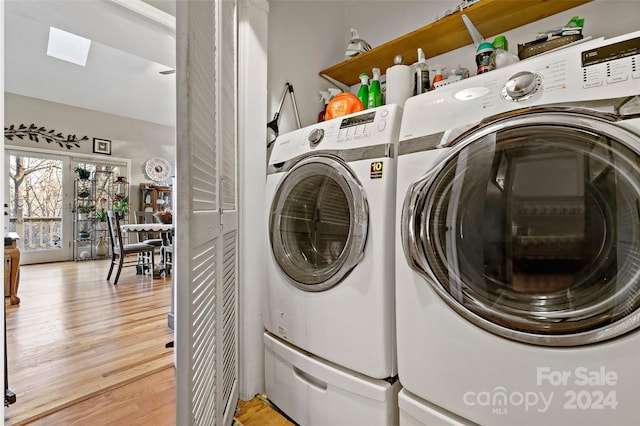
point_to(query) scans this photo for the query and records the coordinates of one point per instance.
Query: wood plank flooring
(74, 335)
(147, 401)
(82, 351)
(259, 412)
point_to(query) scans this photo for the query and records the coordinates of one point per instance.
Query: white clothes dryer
(517, 250)
(331, 207)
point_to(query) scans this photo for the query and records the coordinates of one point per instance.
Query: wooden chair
(167, 258)
(119, 250)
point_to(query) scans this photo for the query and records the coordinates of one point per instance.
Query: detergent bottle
(363, 92)
(375, 91)
(483, 57)
(342, 104)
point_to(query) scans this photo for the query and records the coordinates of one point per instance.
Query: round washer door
(530, 228)
(318, 223)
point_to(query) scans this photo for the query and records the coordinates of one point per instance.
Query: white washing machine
(330, 202)
(518, 241)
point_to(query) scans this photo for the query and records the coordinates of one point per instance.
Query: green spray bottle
(363, 92)
(375, 91)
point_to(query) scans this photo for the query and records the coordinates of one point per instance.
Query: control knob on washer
(316, 136)
(521, 86)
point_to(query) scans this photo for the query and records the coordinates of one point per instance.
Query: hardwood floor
(147, 401)
(82, 351)
(75, 336)
(259, 412)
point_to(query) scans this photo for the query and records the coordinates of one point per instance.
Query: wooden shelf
(490, 17)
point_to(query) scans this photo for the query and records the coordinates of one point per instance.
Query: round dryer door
(530, 228)
(318, 223)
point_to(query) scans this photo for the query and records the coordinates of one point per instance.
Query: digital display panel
(357, 120)
(611, 52)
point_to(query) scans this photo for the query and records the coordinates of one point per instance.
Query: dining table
(165, 230)
(148, 227)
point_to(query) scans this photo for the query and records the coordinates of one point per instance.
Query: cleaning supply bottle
(439, 74)
(375, 91)
(363, 92)
(483, 57)
(422, 81)
(325, 96)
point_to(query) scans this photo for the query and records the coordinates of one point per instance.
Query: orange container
(343, 104)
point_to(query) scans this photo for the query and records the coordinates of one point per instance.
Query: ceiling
(131, 43)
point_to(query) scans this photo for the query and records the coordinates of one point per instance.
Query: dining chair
(119, 250)
(164, 242)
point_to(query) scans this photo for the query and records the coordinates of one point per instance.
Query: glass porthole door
(318, 223)
(530, 228)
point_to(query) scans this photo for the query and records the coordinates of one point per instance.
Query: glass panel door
(318, 223)
(36, 203)
(532, 229)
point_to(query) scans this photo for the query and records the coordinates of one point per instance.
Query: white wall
(134, 139)
(306, 37)
(252, 94)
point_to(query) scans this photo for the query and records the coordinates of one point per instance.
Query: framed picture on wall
(102, 146)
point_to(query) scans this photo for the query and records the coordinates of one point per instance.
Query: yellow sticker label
(376, 170)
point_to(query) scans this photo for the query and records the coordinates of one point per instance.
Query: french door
(35, 207)
(39, 200)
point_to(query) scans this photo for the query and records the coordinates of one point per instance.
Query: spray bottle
(375, 91)
(325, 95)
(422, 81)
(363, 92)
(439, 76)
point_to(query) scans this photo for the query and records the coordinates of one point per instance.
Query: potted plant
(101, 214)
(83, 210)
(83, 173)
(84, 233)
(83, 192)
(121, 204)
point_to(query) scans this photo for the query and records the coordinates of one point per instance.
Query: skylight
(68, 47)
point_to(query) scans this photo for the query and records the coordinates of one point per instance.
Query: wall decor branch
(35, 133)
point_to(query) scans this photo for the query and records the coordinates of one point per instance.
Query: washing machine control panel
(366, 128)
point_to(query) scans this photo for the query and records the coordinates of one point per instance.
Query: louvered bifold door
(206, 235)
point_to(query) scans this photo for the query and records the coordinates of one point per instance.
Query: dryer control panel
(611, 64)
(366, 128)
